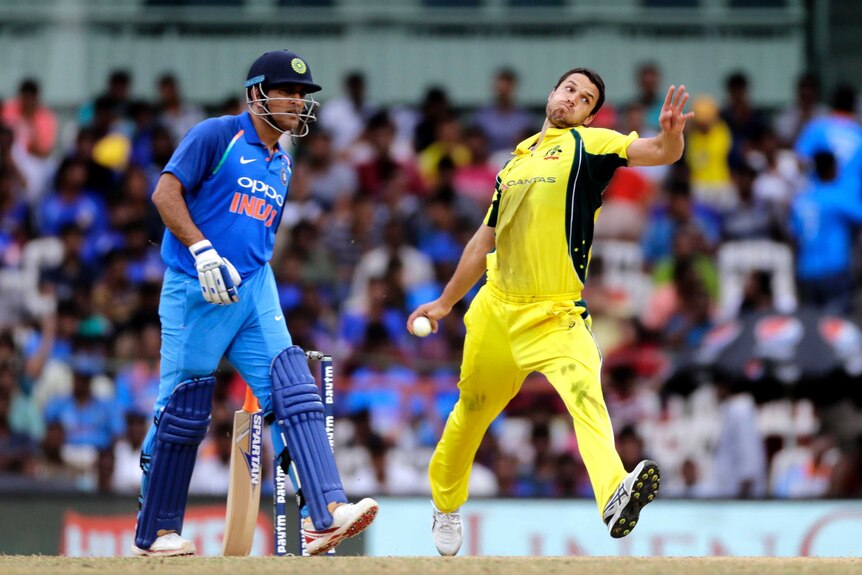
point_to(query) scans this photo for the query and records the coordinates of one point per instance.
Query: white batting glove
(219, 279)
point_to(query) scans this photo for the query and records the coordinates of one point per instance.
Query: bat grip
(250, 405)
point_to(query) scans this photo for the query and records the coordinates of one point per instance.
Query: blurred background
(724, 289)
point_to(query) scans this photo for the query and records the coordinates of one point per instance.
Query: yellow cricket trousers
(509, 337)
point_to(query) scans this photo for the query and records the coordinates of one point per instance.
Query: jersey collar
(524, 146)
(251, 133)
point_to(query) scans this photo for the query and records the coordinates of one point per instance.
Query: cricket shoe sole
(350, 520)
(636, 491)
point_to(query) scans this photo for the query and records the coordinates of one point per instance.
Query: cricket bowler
(530, 316)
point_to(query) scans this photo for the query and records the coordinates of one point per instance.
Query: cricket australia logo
(553, 153)
(252, 455)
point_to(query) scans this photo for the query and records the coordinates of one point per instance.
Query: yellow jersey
(545, 205)
(706, 154)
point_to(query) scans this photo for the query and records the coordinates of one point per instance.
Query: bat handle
(250, 405)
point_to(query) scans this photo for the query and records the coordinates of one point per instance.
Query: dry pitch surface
(27, 565)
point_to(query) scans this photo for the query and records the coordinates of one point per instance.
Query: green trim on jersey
(236, 137)
(588, 178)
(494, 210)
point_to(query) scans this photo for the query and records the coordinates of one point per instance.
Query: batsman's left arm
(218, 277)
(169, 201)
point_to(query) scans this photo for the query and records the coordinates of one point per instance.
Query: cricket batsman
(221, 198)
(530, 316)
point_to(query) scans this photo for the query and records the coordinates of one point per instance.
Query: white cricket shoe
(636, 490)
(167, 545)
(447, 531)
(347, 520)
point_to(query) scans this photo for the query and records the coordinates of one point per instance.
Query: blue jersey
(235, 192)
(95, 423)
(837, 134)
(824, 219)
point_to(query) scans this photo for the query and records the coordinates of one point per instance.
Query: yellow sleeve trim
(600, 141)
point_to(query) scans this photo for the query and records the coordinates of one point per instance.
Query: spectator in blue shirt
(71, 203)
(288, 281)
(385, 308)
(14, 220)
(137, 383)
(439, 238)
(679, 212)
(504, 121)
(145, 263)
(838, 133)
(381, 379)
(54, 340)
(87, 420)
(822, 221)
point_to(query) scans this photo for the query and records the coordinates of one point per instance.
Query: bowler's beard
(562, 124)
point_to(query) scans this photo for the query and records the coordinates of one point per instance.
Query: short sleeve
(196, 156)
(606, 150)
(808, 141)
(52, 411)
(494, 208)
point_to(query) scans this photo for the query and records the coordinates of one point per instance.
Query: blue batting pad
(180, 428)
(299, 411)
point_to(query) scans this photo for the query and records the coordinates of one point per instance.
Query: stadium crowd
(761, 215)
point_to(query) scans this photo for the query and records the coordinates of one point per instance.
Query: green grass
(26, 565)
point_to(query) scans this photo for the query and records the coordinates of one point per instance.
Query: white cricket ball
(421, 326)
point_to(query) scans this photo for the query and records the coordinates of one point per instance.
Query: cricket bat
(243, 496)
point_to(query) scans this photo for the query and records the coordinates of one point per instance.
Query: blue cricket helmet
(281, 67)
